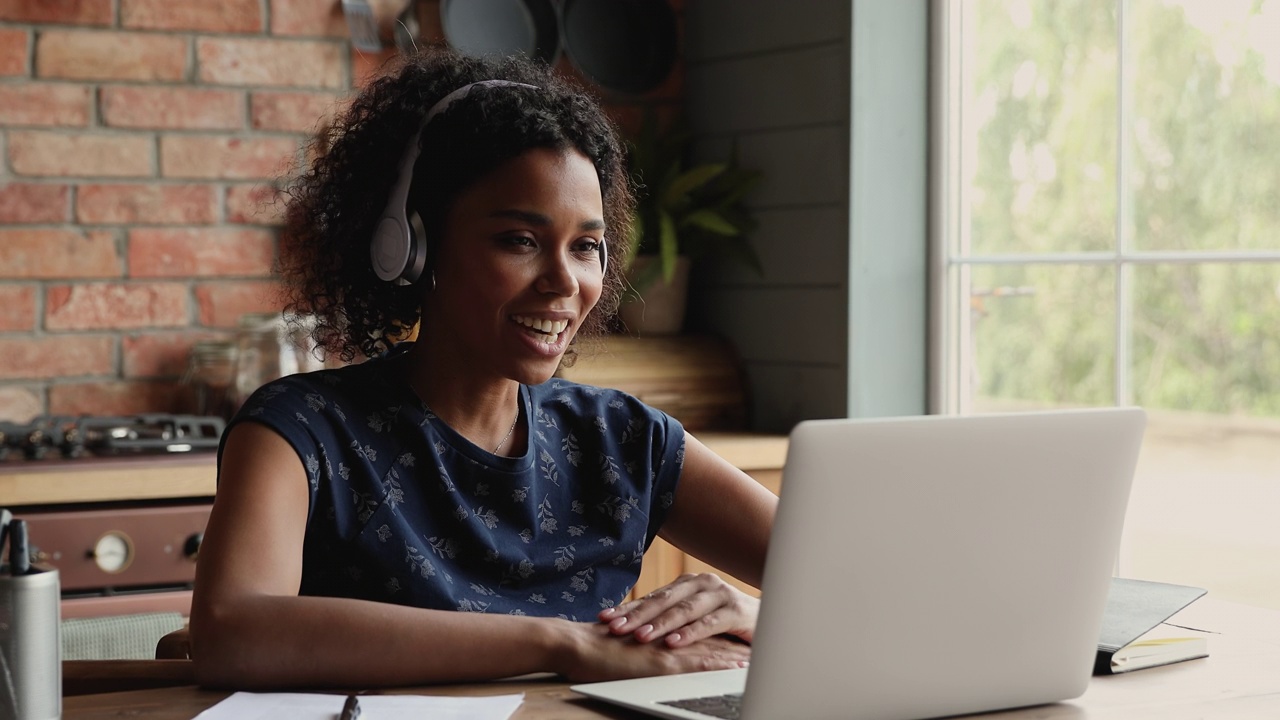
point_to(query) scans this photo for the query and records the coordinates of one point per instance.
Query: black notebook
(1133, 635)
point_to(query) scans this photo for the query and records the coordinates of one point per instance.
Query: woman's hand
(600, 655)
(690, 609)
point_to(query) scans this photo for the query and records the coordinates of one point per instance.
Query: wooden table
(1239, 679)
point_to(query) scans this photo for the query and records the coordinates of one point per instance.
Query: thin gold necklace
(510, 430)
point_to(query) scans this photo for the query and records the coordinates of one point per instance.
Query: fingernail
(618, 622)
(645, 631)
(608, 613)
(673, 638)
(744, 663)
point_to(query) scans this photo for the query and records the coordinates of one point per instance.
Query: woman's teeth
(548, 329)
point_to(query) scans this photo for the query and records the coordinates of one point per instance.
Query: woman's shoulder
(591, 410)
(560, 395)
(318, 390)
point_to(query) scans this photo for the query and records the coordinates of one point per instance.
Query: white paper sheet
(315, 706)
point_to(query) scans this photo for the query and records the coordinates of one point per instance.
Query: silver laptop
(929, 566)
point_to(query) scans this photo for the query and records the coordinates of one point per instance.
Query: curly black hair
(334, 205)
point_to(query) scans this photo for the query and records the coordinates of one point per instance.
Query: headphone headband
(398, 250)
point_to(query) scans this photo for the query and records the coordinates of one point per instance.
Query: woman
(446, 511)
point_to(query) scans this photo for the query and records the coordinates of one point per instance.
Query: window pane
(1207, 367)
(1205, 129)
(1038, 126)
(1206, 338)
(1041, 336)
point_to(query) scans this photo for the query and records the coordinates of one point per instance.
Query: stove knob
(191, 548)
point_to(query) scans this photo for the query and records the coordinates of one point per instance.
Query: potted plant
(684, 212)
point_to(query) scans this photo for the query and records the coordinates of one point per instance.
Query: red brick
(161, 354)
(45, 154)
(238, 16)
(34, 203)
(14, 46)
(368, 66)
(19, 404)
(255, 205)
(279, 63)
(94, 306)
(111, 56)
(218, 156)
(17, 307)
(222, 303)
(173, 252)
(70, 12)
(115, 398)
(44, 104)
(147, 204)
(316, 18)
(49, 253)
(56, 356)
(172, 108)
(292, 112)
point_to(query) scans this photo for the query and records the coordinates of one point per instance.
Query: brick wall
(140, 141)
(140, 146)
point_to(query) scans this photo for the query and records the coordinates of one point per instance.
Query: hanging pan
(502, 27)
(627, 46)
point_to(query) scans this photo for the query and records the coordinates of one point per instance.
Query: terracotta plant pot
(660, 309)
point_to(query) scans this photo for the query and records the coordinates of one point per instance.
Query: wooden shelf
(61, 482)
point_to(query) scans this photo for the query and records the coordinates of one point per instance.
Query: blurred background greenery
(1200, 84)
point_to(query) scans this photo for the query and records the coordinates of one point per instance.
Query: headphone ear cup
(604, 257)
(417, 261)
(391, 250)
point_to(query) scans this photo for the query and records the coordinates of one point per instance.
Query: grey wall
(829, 98)
(775, 77)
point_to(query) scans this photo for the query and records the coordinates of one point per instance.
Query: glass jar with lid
(263, 352)
(210, 377)
(270, 346)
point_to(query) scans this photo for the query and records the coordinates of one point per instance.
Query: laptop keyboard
(728, 705)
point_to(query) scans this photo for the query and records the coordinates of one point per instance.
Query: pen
(19, 559)
(351, 709)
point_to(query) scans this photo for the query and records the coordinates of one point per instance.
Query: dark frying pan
(502, 27)
(628, 46)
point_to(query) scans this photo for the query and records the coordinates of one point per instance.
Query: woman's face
(518, 267)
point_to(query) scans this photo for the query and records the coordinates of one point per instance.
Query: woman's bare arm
(250, 629)
(722, 517)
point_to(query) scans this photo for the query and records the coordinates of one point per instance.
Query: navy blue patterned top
(406, 510)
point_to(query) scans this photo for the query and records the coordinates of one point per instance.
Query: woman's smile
(519, 266)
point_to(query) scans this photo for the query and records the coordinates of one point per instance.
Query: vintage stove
(114, 556)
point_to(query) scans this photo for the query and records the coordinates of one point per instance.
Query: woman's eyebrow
(540, 220)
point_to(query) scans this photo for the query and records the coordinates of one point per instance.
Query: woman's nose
(557, 276)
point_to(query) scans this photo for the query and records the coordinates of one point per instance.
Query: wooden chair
(89, 677)
(174, 646)
(172, 667)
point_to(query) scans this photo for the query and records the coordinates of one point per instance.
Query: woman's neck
(484, 410)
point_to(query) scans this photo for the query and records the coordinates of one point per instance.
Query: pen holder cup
(30, 646)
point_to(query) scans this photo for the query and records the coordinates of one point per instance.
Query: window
(1108, 232)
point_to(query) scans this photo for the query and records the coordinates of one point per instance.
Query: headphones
(398, 250)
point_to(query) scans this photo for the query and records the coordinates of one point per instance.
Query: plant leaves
(712, 221)
(684, 183)
(669, 245)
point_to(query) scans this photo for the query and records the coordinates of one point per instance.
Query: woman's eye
(519, 240)
(589, 246)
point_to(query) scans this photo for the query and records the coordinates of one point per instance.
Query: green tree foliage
(1202, 129)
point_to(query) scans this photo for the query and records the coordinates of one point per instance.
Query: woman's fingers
(606, 657)
(687, 593)
(690, 609)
